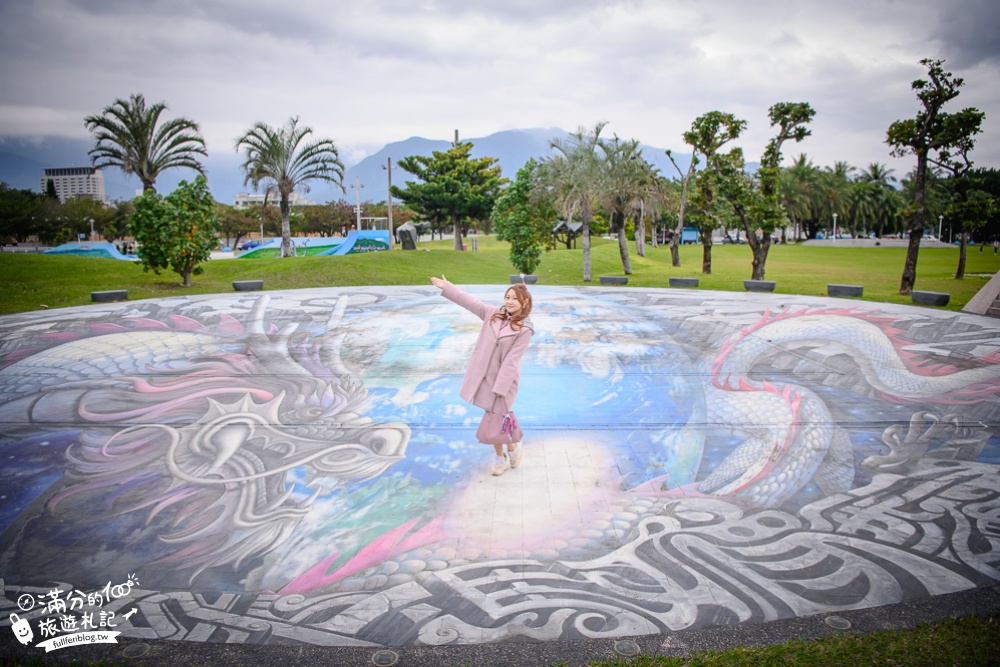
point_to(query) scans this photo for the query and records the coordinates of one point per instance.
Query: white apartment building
(74, 182)
(246, 200)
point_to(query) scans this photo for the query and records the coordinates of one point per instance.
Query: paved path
(295, 469)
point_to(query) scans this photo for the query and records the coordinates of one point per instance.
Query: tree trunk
(675, 254)
(916, 225)
(759, 247)
(456, 229)
(963, 241)
(640, 234)
(706, 251)
(760, 258)
(186, 276)
(910, 267)
(286, 229)
(586, 248)
(623, 247)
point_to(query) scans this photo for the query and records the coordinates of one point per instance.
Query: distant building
(74, 182)
(247, 200)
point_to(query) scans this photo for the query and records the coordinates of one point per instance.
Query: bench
(110, 295)
(930, 298)
(527, 280)
(683, 282)
(614, 280)
(248, 285)
(759, 285)
(844, 290)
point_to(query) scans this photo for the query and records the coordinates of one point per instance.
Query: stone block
(759, 285)
(844, 290)
(248, 285)
(110, 295)
(930, 298)
(683, 282)
(614, 280)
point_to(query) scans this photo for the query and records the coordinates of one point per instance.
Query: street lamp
(834, 227)
(388, 169)
(91, 230)
(357, 187)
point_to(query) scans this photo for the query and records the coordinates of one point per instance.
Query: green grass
(964, 642)
(45, 281)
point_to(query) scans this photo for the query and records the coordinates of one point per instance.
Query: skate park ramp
(101, 249)
(295, 468)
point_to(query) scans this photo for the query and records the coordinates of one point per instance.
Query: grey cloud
(970, 32)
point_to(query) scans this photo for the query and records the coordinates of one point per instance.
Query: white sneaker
(500, 465)
(515, 456)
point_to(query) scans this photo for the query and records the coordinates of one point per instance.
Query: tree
(130, 136)
(798, 188)
(328, 219)
(50, 189)
(454, 188)
(709, 132)
(932, 133)
(626, 175)
(685, 185)
(973, 209)
(524, 223)
(988, 180)
(80, 215)
(277, 158)
(177, 232)
(873, 200)
(116, 225)
(756, 202)
(833, 188)
(574, 179)
(234, 223)
(22, 213)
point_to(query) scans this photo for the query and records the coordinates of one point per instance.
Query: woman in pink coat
(495, 367)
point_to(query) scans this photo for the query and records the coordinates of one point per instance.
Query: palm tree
(575, 178)
(800, 194)
(626, 174)
(130, 136)
(874, 197)
(834, 186)
(275, 157)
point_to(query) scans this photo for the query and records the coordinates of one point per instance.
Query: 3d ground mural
(297, 466)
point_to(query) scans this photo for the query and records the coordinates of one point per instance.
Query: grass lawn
(965, 642)
(46, 281)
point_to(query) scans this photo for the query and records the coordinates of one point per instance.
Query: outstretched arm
(467, 301)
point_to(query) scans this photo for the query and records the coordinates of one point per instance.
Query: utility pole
(388, 170)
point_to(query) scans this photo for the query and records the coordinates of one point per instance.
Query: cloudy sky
(368, 73)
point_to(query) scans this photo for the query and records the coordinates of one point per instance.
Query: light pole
(357, 188)
(834, 227)
(388, 170)
(940, 220)
(91, 230)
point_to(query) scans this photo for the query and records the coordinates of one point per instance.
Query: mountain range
(22, 161)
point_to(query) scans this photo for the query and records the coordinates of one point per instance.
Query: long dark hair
(524, 298)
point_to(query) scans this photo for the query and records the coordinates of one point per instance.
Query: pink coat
(486, 377)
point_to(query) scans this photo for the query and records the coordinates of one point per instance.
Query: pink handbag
(499, 428)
